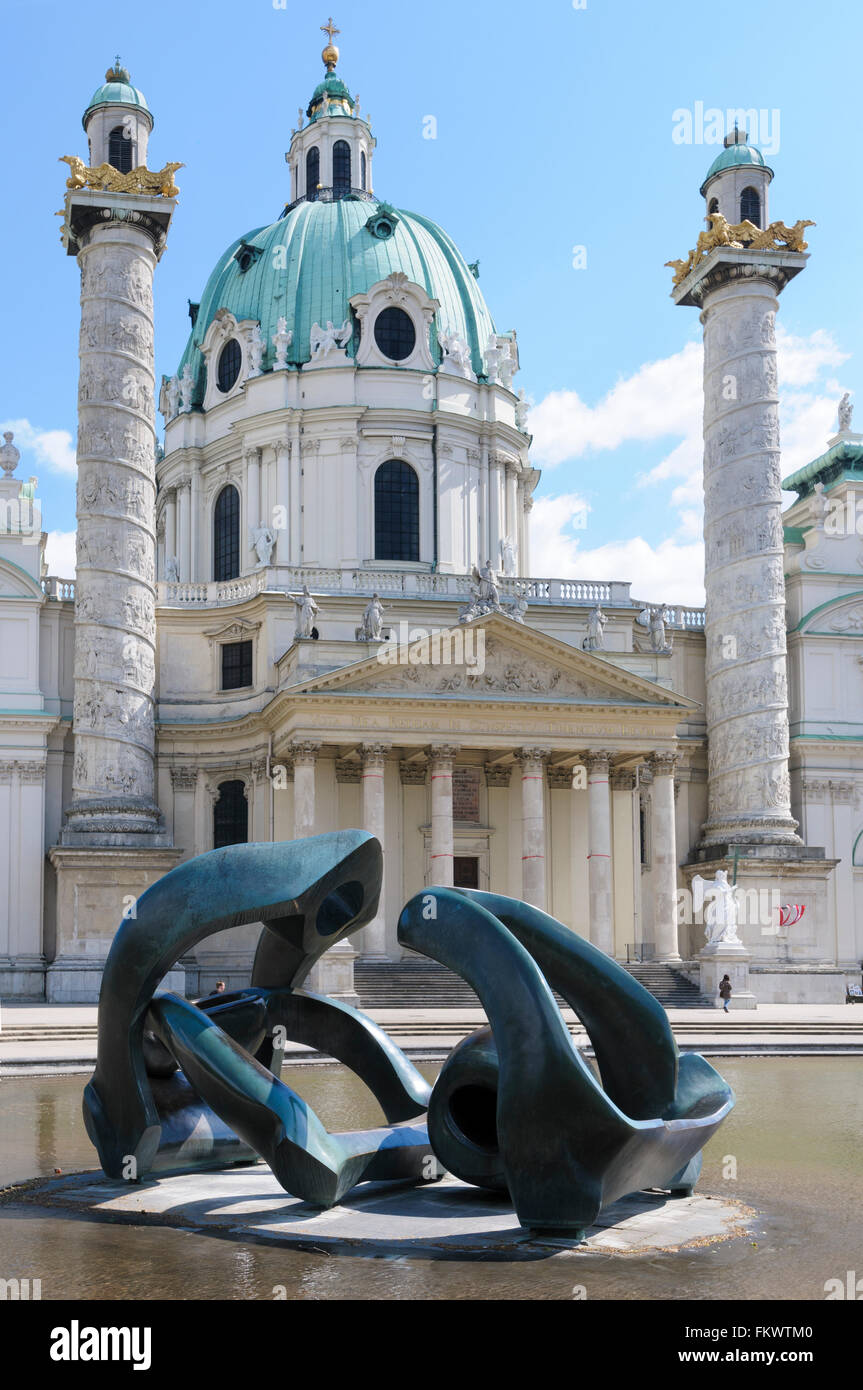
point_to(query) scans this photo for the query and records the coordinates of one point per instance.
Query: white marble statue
(507, 365)
(456, 353)
(9, 455)
(722, 910)
(323, 341)
(507, 553)
(522, 410)
(187, 387)
(263, 540)
(172, 570)
(820, 505)
(654, 619)
(518, 611)
(372, 624)
(487, 590)
(307, 611)
(172, 397)
(492, 360)
(595, 639)
(282, 340)
(846, 410)
(28, 490)
(256, 351)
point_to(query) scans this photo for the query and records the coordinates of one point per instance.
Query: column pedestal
(725, 958)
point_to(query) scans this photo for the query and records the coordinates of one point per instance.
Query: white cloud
(55, 449)
(60, 554)
(670, 572)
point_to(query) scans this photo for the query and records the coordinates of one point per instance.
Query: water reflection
(794, 1138)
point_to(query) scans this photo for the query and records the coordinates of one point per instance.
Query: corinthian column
(304, 754)
(118, 238)
(599, 878)
(749, 792)
(531, 761)
(664, 857)
(374, 762)
(441, 760)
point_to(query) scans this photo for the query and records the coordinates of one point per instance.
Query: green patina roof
(733, 157)
(845, 458)
(117, 90)
(330, 255)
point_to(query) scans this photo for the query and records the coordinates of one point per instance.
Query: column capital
(622, 779)
(598, 760)
(498, 774)
(280, 446)
(440, 753)
(374, 754)
(303, 752)
(663, 763)
(559, 777)
(413, 771)
(259, 770)
(184, 779)
(348, 771)
(532, 755)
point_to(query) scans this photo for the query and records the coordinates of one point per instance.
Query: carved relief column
(441, 868)
(664, 858)
(531, 761)
(184, 500)
(304, 754)
(524, 553)
(512, 527)
(374, 761)
(749, 792)
(599, 850)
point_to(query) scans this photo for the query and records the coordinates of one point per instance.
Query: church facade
(315, 606)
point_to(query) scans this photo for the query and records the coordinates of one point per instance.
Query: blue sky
(554, 131)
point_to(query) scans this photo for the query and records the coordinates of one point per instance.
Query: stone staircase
(426, 985)
(669, 986)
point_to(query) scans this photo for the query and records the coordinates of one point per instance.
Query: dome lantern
(331, 157)
(118, 122)
(737, 182)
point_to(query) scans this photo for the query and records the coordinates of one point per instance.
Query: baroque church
(315, 605)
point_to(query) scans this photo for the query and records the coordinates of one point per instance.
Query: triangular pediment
(494, 658)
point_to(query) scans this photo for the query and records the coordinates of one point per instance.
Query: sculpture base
(726, 958)
(96, 888)
(391, 1219)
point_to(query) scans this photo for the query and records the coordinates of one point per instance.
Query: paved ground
(49, 1038)
(382, 1218)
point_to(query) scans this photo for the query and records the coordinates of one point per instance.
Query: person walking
(725, 992)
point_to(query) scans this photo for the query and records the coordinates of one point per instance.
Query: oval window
(230, 359)
(395, 334)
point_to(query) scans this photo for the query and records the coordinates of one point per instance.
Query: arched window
(231, 815)
(341, 169)
(230, 361)
(750, 206)
(397, 512)
(713, 206)
(313, 173)
(363, 170)
(120, 150)
(226, 534)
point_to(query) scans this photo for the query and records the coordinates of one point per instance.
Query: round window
(230, 359)
(395, 334)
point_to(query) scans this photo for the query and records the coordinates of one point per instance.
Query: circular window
(230, 359)
(395, 334)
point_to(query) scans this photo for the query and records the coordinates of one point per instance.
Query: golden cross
(330, 29)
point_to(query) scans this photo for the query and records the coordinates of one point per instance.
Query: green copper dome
(307, 266)
(117, 90)
(334, 91)
(734, 157)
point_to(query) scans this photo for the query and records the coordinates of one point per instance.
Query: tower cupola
(737, 182)
(118, 122)
(331, 157)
